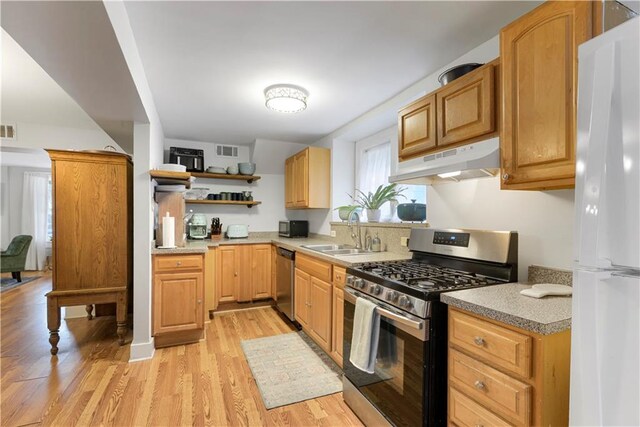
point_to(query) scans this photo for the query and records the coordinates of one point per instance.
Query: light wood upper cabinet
(462, 112)
(308, 179)
(539, 84)
(321, 304)
(260, 271)
(301, 297)
(289, 173)
(466, 107)
(417, 127)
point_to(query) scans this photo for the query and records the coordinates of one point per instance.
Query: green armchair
(13, 259)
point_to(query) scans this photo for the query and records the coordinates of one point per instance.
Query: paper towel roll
(168, 231)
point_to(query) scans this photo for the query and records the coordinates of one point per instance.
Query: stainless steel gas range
(409, 383)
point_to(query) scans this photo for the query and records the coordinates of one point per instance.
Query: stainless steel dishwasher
(285, 269)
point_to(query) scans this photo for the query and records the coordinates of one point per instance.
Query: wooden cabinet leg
(53, 323)
(121, 317)
(89, 309)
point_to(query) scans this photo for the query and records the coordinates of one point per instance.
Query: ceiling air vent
(226, 150)
(8, 132)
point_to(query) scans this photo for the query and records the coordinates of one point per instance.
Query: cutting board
(544, 289)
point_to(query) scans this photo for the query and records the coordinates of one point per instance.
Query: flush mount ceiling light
(286, 98)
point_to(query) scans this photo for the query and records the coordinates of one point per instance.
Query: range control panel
(451, 239)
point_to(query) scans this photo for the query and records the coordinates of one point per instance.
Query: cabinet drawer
(496, 391)
(503, 347)
(339, 276)
(178, 262)
(314, 267)
(465, 412)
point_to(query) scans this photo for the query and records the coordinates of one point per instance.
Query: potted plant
(345, 211)
(372, 202)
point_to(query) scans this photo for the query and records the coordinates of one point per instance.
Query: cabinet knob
(179, 263)
(199, 301)
(235, 274)
(479, 341)
(505, 176)
(479, 385)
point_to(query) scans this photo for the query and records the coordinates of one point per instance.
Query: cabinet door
(177, 302)
(321, 313)
(301, 178)
(301, 297)
(417, 128)
(337, 324)
(539, 74)
(466, 107)
(227, 274)
(260, 271)
(289, 178)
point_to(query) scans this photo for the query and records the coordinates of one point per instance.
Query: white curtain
(35, 199)
(374, 170)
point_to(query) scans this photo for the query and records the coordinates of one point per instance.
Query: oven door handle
(398, 318)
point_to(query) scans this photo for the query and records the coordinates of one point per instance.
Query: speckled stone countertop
(293, 244)
(504, 303)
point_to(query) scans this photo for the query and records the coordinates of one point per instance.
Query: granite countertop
(504, 303)
(293, 244)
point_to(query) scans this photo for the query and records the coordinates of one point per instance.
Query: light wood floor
(91, 383)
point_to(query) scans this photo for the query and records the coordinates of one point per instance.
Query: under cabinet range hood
(477, 160)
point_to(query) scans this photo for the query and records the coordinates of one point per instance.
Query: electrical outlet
(333, 233)
(404, 241)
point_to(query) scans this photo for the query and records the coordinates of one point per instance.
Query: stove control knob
(405, 302)
(392, 296)
(359, 283)
(375, 289)
(350, 279)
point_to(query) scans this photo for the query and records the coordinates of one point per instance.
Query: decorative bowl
(247, 168)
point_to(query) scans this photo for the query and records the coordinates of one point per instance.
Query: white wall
(269, 157)
(35, 135)
(148, 141)
(544, 220)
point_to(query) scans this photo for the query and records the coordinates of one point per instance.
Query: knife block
(174, 204)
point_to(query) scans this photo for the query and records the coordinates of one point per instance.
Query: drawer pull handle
(479, 385)
(479, 341)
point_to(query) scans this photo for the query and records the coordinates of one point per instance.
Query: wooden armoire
(92, 198)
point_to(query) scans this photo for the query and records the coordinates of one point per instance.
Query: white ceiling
(208, 62)
(30, 95)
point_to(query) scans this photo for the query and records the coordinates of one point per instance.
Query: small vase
(373, 215)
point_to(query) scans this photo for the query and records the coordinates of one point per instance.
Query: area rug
(288, 368)
(7, 283)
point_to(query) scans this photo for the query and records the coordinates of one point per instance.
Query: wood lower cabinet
(320, 305)
(502, 375)
(178, 299)
(243, 273)
(337, 325)
(313, 299)
(539, 54)
(301, 297)
(417, 127)
(308, 179)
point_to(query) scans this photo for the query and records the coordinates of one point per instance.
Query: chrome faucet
(357, 237)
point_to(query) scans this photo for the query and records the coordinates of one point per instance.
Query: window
(374, 167)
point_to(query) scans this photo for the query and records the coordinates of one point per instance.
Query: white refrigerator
(605, 334)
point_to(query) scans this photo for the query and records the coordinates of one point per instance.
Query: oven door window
(396, 387)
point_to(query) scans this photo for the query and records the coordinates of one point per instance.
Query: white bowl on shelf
(172, 167)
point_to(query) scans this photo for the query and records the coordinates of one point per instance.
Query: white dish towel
(364, 341)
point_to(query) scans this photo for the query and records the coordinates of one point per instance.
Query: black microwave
(192, 158)
(294, 229)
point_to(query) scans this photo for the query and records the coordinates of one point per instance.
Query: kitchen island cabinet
(539, 55)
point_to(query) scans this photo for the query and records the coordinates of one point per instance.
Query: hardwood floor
(90, 382)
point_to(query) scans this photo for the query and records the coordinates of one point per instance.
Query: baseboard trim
(142, 351)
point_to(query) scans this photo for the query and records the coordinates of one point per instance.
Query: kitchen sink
(336, 249)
